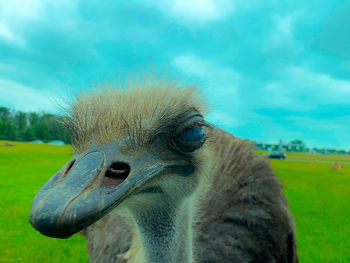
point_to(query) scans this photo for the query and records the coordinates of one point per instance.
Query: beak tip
(45, 226)
(47, 230)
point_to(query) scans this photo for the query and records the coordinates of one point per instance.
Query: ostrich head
(142, 151)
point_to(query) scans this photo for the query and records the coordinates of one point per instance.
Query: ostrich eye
(192, 134)
(190, 139)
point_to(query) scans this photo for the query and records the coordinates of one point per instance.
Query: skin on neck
(165, 232)
(163, 222)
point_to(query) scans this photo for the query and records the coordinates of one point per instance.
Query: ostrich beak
(79, 194)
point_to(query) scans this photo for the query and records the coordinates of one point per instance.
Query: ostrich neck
(166, 234)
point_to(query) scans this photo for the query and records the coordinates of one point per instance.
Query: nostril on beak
(116, 174)
(69, 167)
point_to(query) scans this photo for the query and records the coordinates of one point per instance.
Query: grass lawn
(23, 170)
(319, 200)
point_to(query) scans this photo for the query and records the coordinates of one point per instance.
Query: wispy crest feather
(136, 111)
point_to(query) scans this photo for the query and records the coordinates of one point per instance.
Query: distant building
(281, 147)
(56, 142)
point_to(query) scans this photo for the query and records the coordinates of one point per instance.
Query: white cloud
(302, 89)
(21, 10)
(7, 34)
(222, 80)
(222, 119)
(315, 124)
(16, 16)
(194, 12)
(221, 86)
(190, 64)
(24, 11)
(196, 9)
(284, 25)
(282, 33)
(271, 132)
(17, 96)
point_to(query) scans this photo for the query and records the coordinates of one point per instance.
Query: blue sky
(272, 69)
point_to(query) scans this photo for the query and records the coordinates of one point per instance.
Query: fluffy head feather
(136, 112)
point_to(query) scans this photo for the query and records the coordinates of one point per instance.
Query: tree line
(23, 126)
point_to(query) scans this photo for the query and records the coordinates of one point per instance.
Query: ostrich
(152, 181)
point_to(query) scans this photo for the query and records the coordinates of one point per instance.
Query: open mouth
(116, 174)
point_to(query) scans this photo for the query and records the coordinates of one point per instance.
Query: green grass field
(319, 200)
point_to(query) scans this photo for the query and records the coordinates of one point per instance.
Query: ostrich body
(152, 181)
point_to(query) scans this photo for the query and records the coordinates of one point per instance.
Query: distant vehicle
(37, 141)
(277, 155)
(56, 142)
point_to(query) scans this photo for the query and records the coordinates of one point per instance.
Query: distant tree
(8, 131)
(2, 129)
(298, 142)
(4, 114)
(29, 134)
(41, 131)
(33, 118)
(22, 126)
(331, 151)
(20, 120)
